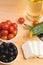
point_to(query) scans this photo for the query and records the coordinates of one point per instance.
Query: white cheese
(35, 45)
(41, 49)
(27, 49)
(33, 49)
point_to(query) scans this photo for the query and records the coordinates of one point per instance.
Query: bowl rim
(15, 58)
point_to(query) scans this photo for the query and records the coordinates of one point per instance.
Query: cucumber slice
(38, 29)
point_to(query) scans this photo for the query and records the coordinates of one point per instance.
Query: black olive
(8, 52)
(40, 36)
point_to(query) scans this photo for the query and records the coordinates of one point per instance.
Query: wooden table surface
(12, 10)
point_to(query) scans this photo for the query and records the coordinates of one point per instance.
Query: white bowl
(10, 39)
(15, 58)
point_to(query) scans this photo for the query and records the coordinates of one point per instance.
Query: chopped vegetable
(35, 22)
(21, 20)
(38, 29)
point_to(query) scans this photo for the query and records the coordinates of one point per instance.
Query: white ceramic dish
(15, 58)
(10, 39)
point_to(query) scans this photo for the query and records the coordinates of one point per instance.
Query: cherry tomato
(4, 37)
(11, 29)
(8, 22)
(2, 23)
(4, 32)
(0, 26)
(0, 34)
(10, 36)
(21, 20)
(5, 26)
(35, 22)
(15, 32)
(15, 25)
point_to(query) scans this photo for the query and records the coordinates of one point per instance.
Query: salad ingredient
(35, 22)
(8, 29)
(0, 26)
(4, 32)
(5, 26)
(15, 25)
(28, 53)
(15, 32)
(7, 56)
(35, 49)
(41, 49)
(38, 29)
(10, 36)
(4, 37)
(21, 20)
(0, 35)
(8, 22)
(11, 28)
(40, 36)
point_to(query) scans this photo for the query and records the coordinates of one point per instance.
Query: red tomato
(35, 22)
(4, 37)
(2, 23)
(15, 25)
(0, 26)
(4, 32)
(10, 36)
(21, 20)
(14, 32)
(5, 26)
(11, 29)
(0, 34)
(8, 22)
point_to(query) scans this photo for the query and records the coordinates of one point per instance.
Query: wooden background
(12, 10)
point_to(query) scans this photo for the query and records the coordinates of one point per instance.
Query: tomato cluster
(8, 30)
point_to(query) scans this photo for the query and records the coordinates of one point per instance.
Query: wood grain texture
(13, 9)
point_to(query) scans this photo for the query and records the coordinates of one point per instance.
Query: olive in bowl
(40, 36)
(8, 52)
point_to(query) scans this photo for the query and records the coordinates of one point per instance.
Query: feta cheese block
(35, 45)
(28, 50)
(41, 49)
